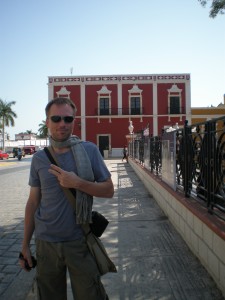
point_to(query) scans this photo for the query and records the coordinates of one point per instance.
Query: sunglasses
(66, 119)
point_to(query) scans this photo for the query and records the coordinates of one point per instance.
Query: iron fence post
(187, 159)
(211, 149)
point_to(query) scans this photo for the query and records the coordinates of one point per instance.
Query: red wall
(162, 90)
(118, 127)
(147, 96)
(74, 95)
(92, 97)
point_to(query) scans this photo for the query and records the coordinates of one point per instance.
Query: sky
(100, 37)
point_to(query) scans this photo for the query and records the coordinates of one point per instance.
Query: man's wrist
(25, 245)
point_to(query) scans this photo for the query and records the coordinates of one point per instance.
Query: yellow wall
(202, 114)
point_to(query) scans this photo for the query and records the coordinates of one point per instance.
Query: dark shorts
(53, 261)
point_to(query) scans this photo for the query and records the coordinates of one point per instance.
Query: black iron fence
(199, 160)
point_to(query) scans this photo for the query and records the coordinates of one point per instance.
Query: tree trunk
(3, 133)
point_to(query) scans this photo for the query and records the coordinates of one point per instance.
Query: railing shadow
(150, 255)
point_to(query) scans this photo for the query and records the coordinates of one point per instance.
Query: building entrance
(103, 142)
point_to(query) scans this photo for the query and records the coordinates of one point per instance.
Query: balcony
(176, 110)
(115, 111)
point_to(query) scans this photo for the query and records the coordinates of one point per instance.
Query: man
(19, 153)
(125, 153)
(60, 242)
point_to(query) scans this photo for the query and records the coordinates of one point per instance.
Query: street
(13, 196)
(13, 164)
(152, 260)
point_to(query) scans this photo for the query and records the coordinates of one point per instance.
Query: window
(174, 100)
(135, 100)
(104, 106)
(174, 105)
(104, 101)
(135, 108)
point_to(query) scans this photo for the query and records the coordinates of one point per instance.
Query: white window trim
(104, 93)
(63, 92)
(135, 92)
(174, 91)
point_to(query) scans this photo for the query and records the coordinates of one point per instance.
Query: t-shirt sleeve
(34, 180)
(101, 172)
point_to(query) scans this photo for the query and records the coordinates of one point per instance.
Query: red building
(106, 104)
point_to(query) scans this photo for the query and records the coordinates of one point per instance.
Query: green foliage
(7, 116)
(43, 130)
(29, 132)
(217, 7)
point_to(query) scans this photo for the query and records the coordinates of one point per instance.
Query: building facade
(203, 114)
(107, 103)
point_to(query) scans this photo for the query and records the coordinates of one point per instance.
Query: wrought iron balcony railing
(114, 111)
(176, 110)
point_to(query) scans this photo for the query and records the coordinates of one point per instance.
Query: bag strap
(51, 156)
(69, 192)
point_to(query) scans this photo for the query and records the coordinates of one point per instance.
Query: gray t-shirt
(55, 220)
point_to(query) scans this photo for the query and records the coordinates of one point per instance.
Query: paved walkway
(153, 261)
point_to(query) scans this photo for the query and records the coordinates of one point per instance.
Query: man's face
(60, 131)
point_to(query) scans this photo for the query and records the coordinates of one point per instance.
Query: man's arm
(31, 207)
(71, 180)
(98, 189)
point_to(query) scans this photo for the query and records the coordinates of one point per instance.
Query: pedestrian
(60, 241)
(19, 153)
(125, 153)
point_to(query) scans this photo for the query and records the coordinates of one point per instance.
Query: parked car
(15, 150)
(10, 153)
(3, 155)
(29, 150)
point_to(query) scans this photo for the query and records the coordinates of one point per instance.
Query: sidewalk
(153, 261)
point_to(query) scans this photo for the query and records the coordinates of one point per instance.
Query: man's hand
(66, 179)
(71, 180)
(25, 259)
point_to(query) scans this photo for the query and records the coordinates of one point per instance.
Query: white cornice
(130, 78)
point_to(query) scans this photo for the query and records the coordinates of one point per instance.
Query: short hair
(60, 101)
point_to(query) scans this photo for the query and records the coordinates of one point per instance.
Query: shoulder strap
(49, 152)
(50, 157)
(70, 193)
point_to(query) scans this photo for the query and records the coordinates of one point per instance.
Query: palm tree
(7, 116)
(29, 132)
(43, 130)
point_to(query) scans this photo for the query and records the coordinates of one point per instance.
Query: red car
(3, 155)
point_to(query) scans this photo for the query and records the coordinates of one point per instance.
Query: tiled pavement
(153, 261)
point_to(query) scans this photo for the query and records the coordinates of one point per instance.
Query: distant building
(106, 103)
(202, 114)
(25, 136)
(1, 138)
